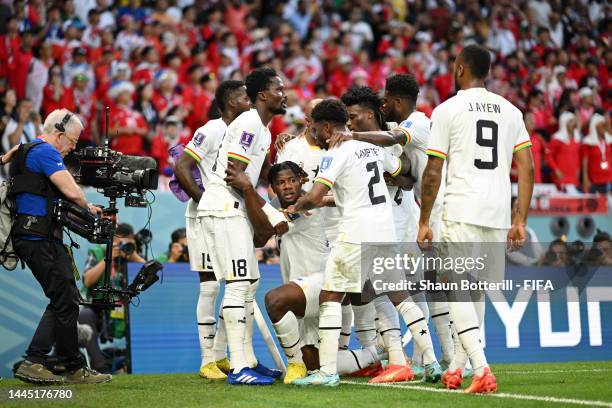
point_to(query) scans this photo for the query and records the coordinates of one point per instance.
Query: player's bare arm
(263, 229)
(432, 177)
(315, 198)
(185, 176)
(403, 180)
(524, 163)
(378, 137)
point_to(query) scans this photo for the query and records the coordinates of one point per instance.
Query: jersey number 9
(492, 143)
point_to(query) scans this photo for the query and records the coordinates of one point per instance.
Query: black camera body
(82, 222)
(117, 174)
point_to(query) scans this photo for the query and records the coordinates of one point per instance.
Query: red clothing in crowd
(9, 46)
(159, 150)
(539, 151)
(444, 85)
(66, 99)
(565, 158)
(87, 111)
(198, 102)
(599, 162)
(162, 104)
(18, 72)
(339, 82)
(127, 143)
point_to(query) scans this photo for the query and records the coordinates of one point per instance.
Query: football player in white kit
(365, 114)
(226, 228)
(354, 170)
(201, 152)
(401, 93)
(304, 151)
(478, 134)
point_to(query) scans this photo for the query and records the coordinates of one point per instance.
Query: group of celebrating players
(365, 169)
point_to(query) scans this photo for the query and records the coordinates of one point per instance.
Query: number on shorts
(206, 262)
(371, 166)
(492, 143)
(240, 268)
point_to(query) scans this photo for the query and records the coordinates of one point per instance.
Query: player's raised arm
(315, 198)
(379, 137)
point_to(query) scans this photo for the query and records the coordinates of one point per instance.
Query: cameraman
(104, 323)
(177, 250)
(39, 179)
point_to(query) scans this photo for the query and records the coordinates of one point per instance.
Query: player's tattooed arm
(432, 177)
(524, 163)
(315, 198)
(185, 178)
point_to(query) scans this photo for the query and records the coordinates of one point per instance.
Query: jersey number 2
(492, 143)
(371, 166)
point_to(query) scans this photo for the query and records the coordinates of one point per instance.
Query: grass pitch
(524, 385)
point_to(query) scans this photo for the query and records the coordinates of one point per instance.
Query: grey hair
(56, 117)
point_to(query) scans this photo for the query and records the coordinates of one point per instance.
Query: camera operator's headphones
(62, 125)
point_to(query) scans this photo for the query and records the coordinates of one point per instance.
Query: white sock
(417, 353)
(350, 361)
(288, 332)
(440, 318)
(389, 329)
(414, 319)
(235, 322)
(365, 327)
(205, 313)
(250, 321)
(330, 320)
(459, 356)
(465, 320)
(347, 324)
(220, 343)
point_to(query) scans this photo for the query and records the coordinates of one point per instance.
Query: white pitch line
(580, 370)
(493, 395)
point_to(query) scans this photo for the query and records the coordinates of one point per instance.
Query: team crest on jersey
(325, 163)
(246, 139)
(198, 138)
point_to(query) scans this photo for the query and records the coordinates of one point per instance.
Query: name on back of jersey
(484, 107)
(367, 152)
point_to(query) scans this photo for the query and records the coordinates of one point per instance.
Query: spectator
(23, 130)
(586, 108)
(79, 64)
(601, 252)
(7, 108)
(177, 250)
(107, 325)
(165, 95)
(168, 136)
(564, 158)
(55, 94)
(86, 108)
(556, 255)
(144, 105)
(127, 126)
(597, 157)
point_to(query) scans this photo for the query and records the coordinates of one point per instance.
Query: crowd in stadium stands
(157, 65)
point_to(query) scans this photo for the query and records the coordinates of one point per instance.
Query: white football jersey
(203, 147)
(247, 139)
(477, 132)
(303, 249)
(354, 171)
(417, 129)
(308, 157)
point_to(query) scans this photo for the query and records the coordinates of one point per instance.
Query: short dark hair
(224, 90)
(365, 96)
(124, 230)
(178, 234)
(331, 110)
(286, 165)
(402, 86)
(258, 80)
(478, 58)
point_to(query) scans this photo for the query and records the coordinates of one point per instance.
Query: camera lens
(128, 248)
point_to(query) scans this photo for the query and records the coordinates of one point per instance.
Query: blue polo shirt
(43, 159)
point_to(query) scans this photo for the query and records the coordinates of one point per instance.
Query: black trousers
(52, 267)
